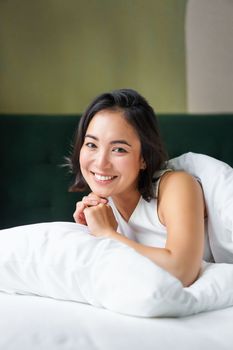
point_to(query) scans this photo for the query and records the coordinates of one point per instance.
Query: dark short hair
(137, 112)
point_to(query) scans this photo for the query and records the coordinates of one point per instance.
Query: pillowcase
(63, 261)
(216, 178)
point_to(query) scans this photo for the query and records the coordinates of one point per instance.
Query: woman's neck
(126, 205)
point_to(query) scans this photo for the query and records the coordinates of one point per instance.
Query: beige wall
(56, 55)
(209, 42)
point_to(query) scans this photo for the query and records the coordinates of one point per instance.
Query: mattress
(34, 322)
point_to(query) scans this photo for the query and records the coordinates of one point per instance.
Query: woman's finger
(98, 198)
(92, 200)
(78, 215)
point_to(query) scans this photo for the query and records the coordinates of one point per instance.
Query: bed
(33, 189)
(29, 322)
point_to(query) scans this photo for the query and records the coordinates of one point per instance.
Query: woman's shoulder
(179, 186)
(177, 180)
(169, 177)
(179, 191)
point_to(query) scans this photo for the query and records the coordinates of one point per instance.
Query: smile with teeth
(103, 177)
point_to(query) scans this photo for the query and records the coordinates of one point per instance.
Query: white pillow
(63, 261)
(216, 178)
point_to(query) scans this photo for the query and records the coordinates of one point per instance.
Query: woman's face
(110, 158)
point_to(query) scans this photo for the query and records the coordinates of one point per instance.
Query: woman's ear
(143, 164)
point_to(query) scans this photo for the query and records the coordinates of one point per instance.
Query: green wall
(56, 55)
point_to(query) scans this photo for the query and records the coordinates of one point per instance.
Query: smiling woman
(137, 121)
(106, 157)
(119, 156)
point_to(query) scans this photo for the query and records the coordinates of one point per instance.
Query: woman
(119, 155)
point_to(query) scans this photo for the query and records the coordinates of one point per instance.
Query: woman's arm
(181, 210)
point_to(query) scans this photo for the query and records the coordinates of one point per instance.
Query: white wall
(209, 55)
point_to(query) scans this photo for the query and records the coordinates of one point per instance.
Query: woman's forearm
(162, 257)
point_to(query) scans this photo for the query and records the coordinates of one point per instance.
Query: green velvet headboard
(33, 185)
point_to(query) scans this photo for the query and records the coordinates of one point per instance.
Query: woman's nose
(102, 160)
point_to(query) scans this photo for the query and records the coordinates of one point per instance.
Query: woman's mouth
(103, 178)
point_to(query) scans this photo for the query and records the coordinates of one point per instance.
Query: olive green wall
(56, 55)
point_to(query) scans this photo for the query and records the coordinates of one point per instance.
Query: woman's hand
(87, 201)
(100, 220)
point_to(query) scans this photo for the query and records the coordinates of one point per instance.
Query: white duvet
(63, 261)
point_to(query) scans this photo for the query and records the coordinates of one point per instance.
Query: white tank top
(145, 227)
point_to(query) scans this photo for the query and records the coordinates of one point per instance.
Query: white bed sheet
(31, 323)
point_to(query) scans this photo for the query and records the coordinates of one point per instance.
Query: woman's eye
(90, 145)
(119, 150)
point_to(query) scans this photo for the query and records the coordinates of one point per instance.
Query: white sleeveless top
(145, 227)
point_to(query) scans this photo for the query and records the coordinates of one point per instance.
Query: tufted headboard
(33, 184)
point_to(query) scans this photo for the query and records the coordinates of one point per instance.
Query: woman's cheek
(128, 163)
(83, 163)
(83, 158)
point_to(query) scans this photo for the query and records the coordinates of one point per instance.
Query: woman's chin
(101, 193)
